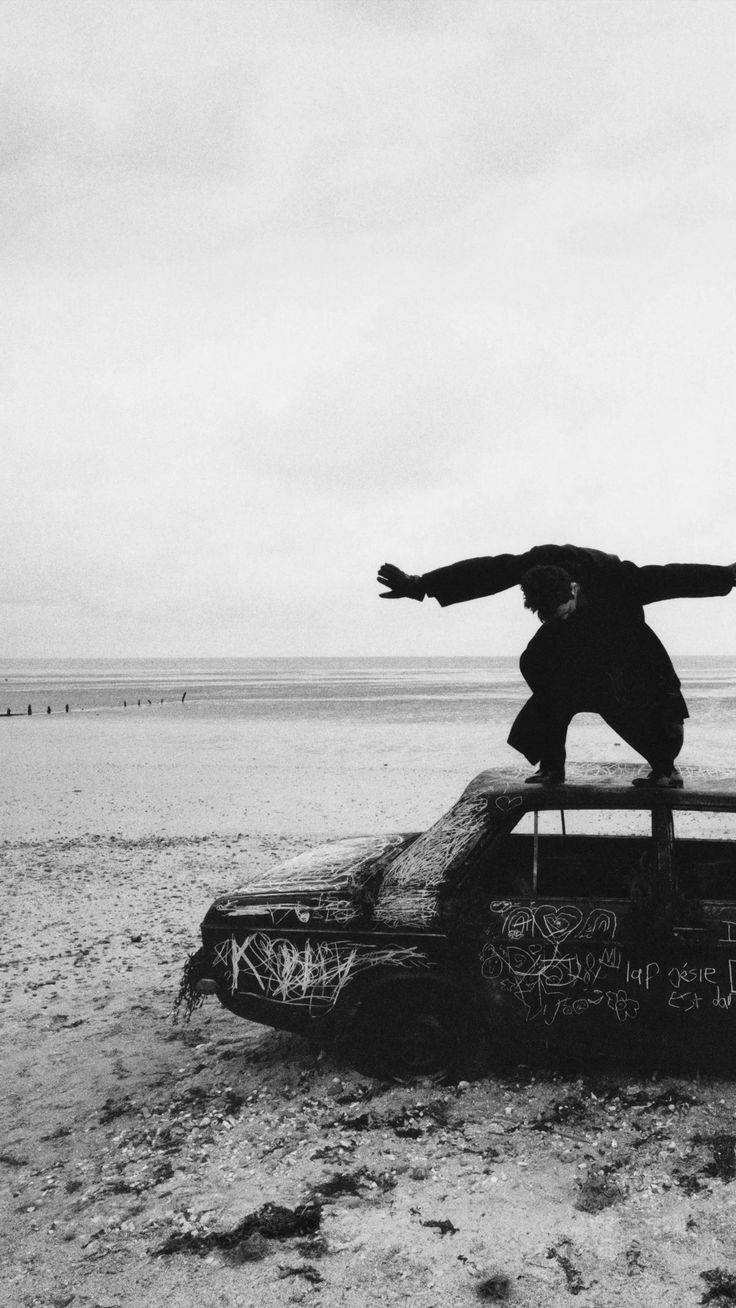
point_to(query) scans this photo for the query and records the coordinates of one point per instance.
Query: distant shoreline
(197, 660)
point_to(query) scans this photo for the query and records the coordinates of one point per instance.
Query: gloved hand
(401, 585)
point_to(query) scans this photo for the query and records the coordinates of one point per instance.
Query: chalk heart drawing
(508, 802)
(558, 923)
(554, 922)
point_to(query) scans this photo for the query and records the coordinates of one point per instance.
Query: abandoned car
(588, 916)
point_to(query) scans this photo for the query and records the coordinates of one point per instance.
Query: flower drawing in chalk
(622, 1004)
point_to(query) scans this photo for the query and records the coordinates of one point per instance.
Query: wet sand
(164, 772)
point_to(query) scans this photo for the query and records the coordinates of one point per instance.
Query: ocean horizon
(425, 687)
(440, 686)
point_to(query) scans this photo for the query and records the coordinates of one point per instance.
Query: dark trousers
(540, 730)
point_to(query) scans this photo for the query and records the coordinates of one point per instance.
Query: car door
(702, 973)
(565, 908)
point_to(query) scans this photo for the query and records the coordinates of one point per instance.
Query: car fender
(381, 981)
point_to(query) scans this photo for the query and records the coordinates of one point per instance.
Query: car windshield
(409, 888)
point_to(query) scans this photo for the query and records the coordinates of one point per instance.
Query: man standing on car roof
(594, 652)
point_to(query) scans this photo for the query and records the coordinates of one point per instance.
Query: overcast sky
(291, 287)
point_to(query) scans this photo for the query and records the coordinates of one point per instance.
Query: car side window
(600, 853)
(705, 854)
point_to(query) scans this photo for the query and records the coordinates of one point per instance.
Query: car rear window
(705, 854)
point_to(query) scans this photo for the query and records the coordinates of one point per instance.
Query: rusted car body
(588, 917)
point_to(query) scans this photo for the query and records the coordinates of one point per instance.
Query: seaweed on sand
(721, 1286)
(188, 997)
(598, 1190)
(271, 1222)
(723, 1147)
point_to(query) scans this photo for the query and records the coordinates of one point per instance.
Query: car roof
(607, 785)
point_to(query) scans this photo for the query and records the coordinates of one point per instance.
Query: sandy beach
(131, 1146)
(298, 294)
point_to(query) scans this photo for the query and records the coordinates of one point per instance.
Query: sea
(397, 689)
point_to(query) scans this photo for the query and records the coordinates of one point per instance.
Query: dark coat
(603, 656)
(599, 574)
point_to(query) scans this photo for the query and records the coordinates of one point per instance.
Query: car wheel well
(405, 1027)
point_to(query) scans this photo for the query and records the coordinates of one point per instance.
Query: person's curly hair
(545, 588)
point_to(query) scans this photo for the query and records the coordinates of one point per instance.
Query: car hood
(335, 881)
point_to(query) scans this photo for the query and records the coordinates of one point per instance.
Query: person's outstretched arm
(474, 578)
(469, 579)
(684, 581)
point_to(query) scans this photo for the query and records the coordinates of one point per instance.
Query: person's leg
(539, 733)
(540, 730)
(652, 734)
